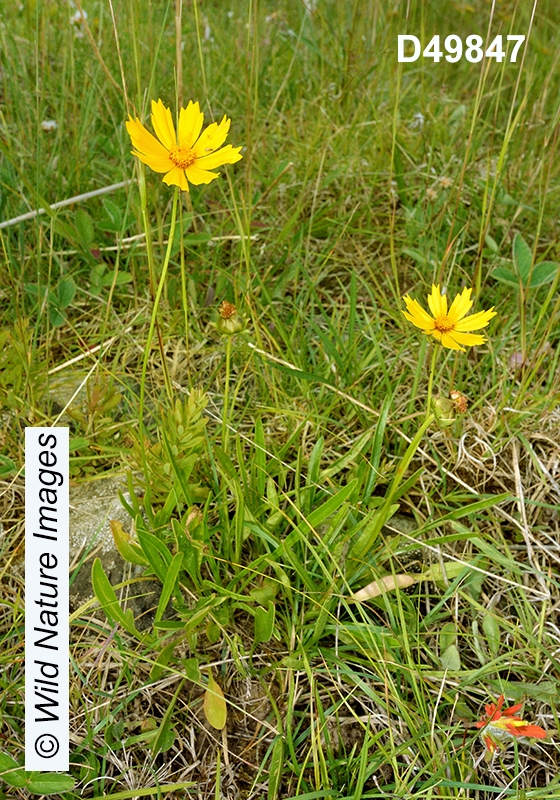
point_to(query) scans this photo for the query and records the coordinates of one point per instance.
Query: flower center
(443, 324)
(182, 157)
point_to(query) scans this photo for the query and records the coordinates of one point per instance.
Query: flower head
(189, 156)
(504, 724)
(450, 327)
(229, 321)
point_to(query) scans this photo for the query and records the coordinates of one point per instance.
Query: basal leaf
(215, 708)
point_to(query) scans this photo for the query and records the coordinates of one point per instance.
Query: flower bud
(229, 322)
(444, 411)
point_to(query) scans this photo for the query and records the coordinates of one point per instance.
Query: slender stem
(146, 225)
(157, 299)
(225, 410)
(184, 289)
(435, 351)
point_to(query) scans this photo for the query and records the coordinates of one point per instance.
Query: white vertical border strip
(46, 599)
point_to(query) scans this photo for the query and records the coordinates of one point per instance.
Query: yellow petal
(469, 339)
(176, 177)
(157, 163)
(212, 137)
(417, 315)
(475, 321)
(163, 124)
(143, 140)
(447, 340)
(197, 176)
(226, 155)
(191, 119)
(460, 306)
(437, 302)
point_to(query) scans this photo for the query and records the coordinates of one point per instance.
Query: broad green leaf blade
(505, 275)
(543, 273)
(169, 585)
(155, 551)
(447, 636)
(491, 628)
(128, 549)
(108, 600)
(215, 708)
(450, 658)
(66, 292)
(84, 226)
(47, 783)
(522, 258)
(264, 623)
(11, 772)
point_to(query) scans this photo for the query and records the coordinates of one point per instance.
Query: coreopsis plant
(501, 726)
(186, 155)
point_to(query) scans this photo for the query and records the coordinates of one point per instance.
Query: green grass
(344, 201)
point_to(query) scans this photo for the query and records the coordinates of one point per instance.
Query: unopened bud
(444, 411)
(229, 322)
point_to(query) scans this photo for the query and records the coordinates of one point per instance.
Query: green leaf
(447, 636)
(328, 508)
(155, 551)
(215, 708)
(44, 783)
(264, 623)
(84, 226)
(164, 658)
(276, 768)
(114, 214)
(543, 273)
(169, 585)
(57, 319)
(450, 658)
(7, 466)
(66, 292)
(491, 243)
(11, 772)
(49, 783)
(492, 630)
(522, 258)
(108, 600)
(165, 736)
(128, 549)
(505, 275)
(466, 510)
(192, 670)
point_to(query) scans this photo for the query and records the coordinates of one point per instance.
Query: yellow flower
(189, 157)
(450, 327)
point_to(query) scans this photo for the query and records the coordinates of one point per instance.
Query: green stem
(184, 291)
(146, 225)
(435, 351)
(225, 410)
(153, 319)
